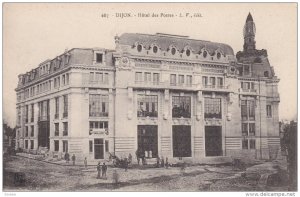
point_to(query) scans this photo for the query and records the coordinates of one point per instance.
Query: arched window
(218, 55)
(139, 48)
(205, 54)
(173, 51)
(155, 49)
(188, 52)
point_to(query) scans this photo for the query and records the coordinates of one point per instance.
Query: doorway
(147, 140)
(99, 148)
(182, 141)
(213, 141)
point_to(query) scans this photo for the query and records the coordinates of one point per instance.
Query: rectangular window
(99, 57)
(105, 79)
(156, 78)
(67, 80)
(63, 80)
(32, 113)
(65, 126)
(26, 113)
(106, 146)
(252, 143)
(65, 146)
(220, 82)
(252, 129)
(245, 144)
(245, 129)
(26, 131)
(138, 76)
(98, 105)
(212, 108)
(91, 146)
(32, 131)
(269, 111)
(181, 106)
(56, 145)
(31, 144)
(147, 105)
(181, 79)
(212, 81)
(65, 113)
(26, 144)
(248, 109)
(56, 127)
(189, 80)
(147, 77)
(91, 77)
(99, 77)
(204, 81)
(173, 79)
(56, 115)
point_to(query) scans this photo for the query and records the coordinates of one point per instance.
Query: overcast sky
(33, 33)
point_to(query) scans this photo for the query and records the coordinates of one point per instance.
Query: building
(164, 95)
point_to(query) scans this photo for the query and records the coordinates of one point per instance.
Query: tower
(249, 34)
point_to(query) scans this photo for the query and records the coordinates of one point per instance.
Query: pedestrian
(104, 169)
(162, 162)
(167, 163)
(129, 158)
(99, 170)
(125, 162)
(73, 159)
(85, 162)
(137, 154)
(67, 157)
(157, 161)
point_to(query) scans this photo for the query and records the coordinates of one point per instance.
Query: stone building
(164, 95)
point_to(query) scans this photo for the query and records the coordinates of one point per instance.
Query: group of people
(102, 169)
(160, 162)
(67, 158)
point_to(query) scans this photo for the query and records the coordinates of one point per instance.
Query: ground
(44, 176)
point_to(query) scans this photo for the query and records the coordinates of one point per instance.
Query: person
(73, 159)
(137, 154)
(129, 158)
(162, 162)
(99, 170)
(67, 157)
(104, 169)
(125, 164)
(167, 163)
(157, 161)
(85, 162)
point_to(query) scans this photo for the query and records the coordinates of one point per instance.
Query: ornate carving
(123, 63)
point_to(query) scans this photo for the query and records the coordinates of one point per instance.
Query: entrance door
(213, 141)
(147, 140)
(182, 141)
(99, 148)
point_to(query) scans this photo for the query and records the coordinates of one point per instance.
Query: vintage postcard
(150, 97)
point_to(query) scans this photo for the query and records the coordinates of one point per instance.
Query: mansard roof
(164, 41)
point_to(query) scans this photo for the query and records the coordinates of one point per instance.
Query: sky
(34, 32)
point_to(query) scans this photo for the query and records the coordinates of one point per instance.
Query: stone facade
(163, 95)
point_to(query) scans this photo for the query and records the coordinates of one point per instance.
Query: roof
(249, 17)
(164, 41)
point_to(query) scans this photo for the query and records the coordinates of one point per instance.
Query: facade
(163, 95)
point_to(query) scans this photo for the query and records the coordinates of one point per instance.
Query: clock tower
(249, 34)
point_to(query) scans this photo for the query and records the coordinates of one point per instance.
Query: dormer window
(218, 55)
(188, 52)
(99, 57)
(139, 48)
(173, 51)
(155, 49)
(205, 54)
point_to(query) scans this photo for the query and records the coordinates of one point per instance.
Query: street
(42, 176)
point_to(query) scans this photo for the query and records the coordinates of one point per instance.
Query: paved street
(42, 176)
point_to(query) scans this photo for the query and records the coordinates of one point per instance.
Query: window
(147, 106)
(252, 129)
(56, 115)
(67, 80)
(65, 113)
(173, 51)
(181, 106)
(32, 131)
(26, 144)
(173, 79)
(269, 111)
(99, 77)
(205, 54)
(63, 80)
(212, 81)
(56, 145)
(94, 125)
(106, 146)
(252, 143)
(65, 126)
(156, 78)
(98, 105)
(181, 79)
(248, 144)
(139, 48)
(138, 76)
(65, 146)
(99, 57)
(248, 129)
(91, 78)
(188, 52)
(90, 146)
(220, 82)
(189, 80)
(31, 144)
(212, 108)
(105, 80)
(245, 129)
(248, 109)
(26, 113)
(147, 77)
(245, 144)
(246, 70)
(56, 129)
(26, 131)
(32, 112)
(218, 55)
(155, 49)
(204, 81)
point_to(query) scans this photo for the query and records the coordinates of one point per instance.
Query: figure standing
(129, 158)
(125, 164)
(99, 170)
(162, 162)
(67, 157)
(85, 163)
(157, 161)
(137, 154)
(73, 159)
(167, 163)
(104, 169)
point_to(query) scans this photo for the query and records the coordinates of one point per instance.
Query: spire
(249, 17)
